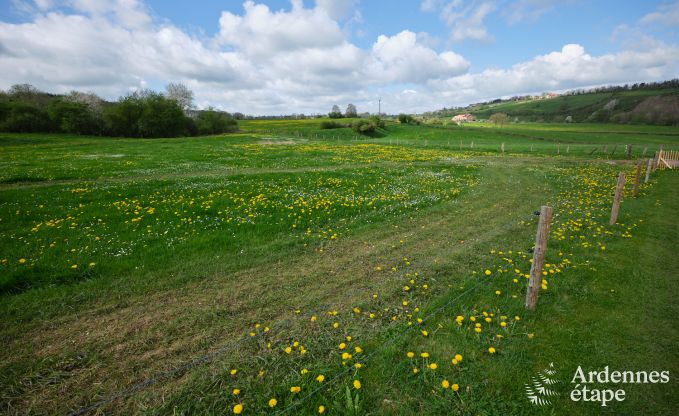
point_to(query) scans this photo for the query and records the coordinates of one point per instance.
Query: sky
(270, 57)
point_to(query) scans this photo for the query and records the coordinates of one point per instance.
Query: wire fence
(209, 357)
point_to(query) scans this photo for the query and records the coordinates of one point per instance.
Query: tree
(211, 121)
(181, 94)
(499, 119)
(71, 117)
(351, 111)
(335, 112)
(93, 102)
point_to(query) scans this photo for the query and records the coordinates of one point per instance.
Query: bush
(378, 122)
(148, 115)
(72, 117)
(325, 125)
(19, 117)
(211, 121)
(405, 119)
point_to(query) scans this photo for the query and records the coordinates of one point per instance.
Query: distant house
(463, 118)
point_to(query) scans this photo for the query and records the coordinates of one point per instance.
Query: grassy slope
(169, 313)
(578, 106)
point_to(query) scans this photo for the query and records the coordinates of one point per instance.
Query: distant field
(286, 262)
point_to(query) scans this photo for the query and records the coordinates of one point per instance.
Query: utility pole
(379, 106)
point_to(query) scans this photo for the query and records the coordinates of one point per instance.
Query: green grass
(579, 107)
(190, 248)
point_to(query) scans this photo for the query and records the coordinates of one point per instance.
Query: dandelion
(416, 370)
(425, 333)
(487, 272)
(238, 409)
(358, 349)
(304, 371)
(497, 292)
(321, 409)
(320, 378)
(456, 387)
(503, 324)
(273, 402)
(22, 261)
(433, 366)
(288, 350)
(357, 384)
(233, 372)
(424, 355)
(458, 357)
(410, 354)
(445, 384)
(342, 346)
(236, 392)
(295, 389)
(491, 350)
(75, 266)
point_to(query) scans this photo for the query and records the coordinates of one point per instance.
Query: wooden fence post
(649, 166)
(616, 199)
(629, 151)
(635, 189)
(502, 147)
(535, 280)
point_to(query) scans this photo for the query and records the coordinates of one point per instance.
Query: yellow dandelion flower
(433, 366)
(487, 272)
(410, 354)
(458, 357)
(357, 384)
(295, 389)
(445, 384)
(236, 392)
(273, 402)
(342, 346)
(491, 350)
(424, 355)
(456, 387)
(320, 378)
(321, 409)
(238, 409)
(233, 372)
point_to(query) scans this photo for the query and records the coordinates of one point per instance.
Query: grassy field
(285, 268)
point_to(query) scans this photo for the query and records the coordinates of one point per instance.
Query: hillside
(649, 104)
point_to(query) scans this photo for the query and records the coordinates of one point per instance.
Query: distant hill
(655, 103)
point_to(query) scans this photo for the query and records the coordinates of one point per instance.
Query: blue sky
(283, 56)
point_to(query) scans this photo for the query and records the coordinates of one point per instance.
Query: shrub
(211, 121)
(19, 117)
(325, 125)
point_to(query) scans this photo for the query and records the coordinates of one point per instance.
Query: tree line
(144, 113)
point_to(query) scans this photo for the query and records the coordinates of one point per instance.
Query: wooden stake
(629, 151)
(649, 166)
(503, 147)
(541, 237)
(635, 189)
(616, 199)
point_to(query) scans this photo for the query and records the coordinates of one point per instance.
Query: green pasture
(210, 275)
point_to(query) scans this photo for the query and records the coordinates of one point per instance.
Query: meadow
(287, 269)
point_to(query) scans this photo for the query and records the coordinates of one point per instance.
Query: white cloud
(667, 14)
(530, 9)
(465, 19)
(337, 9)
(571, 67)
(298, 60)
(401, 58)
